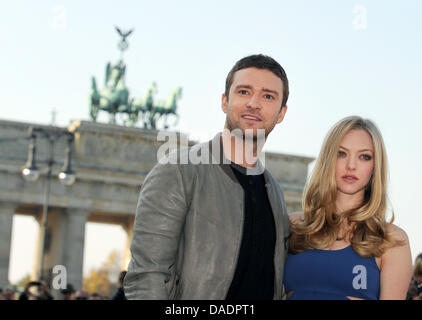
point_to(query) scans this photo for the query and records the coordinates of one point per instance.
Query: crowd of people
(415, 288)
(39, 290)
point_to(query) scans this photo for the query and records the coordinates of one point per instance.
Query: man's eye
(243, 92)
(269, 97)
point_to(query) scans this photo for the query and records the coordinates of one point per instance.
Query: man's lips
(349, 178)
(251, 117)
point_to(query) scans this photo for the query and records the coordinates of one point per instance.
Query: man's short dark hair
(68, 290)
(260, 61)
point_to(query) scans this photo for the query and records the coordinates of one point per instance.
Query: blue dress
(331, 275)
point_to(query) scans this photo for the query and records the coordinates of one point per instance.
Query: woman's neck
(346, 202)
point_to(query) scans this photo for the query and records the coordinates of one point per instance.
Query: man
(217, 229)
(36, 290)
(68, 293)
(81, 295)
(9, 294)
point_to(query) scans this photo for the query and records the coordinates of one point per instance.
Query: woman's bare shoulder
(403, 248)
(397, 233)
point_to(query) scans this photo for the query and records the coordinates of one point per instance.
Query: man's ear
(282, 113)
(224, 102)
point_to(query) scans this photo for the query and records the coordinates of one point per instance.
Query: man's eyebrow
(243, 86)
(246, 86)
(358, 150)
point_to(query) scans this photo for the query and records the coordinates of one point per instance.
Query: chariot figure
(114, 97)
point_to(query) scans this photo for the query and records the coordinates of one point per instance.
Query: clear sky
(341, 57)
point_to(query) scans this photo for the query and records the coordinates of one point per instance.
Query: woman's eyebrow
(358, 150)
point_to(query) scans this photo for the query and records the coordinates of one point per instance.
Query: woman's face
(355, 162)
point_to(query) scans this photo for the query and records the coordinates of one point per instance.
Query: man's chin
(249, 134)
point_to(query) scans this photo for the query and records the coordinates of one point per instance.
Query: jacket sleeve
(160, 216)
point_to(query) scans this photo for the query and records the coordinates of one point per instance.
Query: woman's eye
(341, 153)
(366, 157)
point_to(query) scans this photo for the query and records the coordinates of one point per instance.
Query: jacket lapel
(272, 196)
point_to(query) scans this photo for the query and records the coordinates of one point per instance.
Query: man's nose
(254, 101)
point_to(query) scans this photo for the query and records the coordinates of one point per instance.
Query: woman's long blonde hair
(321, 225)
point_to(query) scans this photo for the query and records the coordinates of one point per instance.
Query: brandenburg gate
(110, 163)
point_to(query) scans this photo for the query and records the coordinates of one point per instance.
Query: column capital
(78, 212)
(127, 224)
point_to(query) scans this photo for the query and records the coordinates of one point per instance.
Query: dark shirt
(254, 275)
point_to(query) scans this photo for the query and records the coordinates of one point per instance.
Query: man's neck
(244, 152)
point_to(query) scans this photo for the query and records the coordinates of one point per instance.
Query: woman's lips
(349, 178)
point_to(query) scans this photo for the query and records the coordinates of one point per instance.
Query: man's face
(254, 101)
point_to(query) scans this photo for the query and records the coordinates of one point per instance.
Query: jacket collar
(217, 152)
(216, 147)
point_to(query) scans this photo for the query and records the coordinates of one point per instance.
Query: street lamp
(67, 176)
(31, 173)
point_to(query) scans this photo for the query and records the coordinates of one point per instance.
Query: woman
(342, 247)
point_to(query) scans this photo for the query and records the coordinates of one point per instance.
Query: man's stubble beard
(232, 128)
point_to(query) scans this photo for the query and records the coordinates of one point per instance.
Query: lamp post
(31, 173)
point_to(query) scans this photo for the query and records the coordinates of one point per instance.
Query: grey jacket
(188, 229)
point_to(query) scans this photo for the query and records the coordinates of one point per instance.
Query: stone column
(73, 247)
(36, 262)
(53, 243)
(64, 246)
(7, 211)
